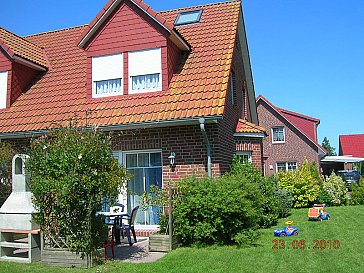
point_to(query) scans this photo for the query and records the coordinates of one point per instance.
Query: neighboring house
(177, 85)
(292, 138)
(351, 145)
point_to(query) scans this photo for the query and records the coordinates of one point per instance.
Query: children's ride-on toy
(287, 230)
(318, 212)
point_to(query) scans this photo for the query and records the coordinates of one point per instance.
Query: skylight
(188, 17)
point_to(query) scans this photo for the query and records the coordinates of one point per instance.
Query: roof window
(188, 17)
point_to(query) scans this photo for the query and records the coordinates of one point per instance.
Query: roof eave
(119, 127)
(254, 135)
(28, 63)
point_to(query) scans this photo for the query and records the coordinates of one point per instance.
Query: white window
(278, 134)
(145, 71)
(107, 75)
(188, 17)
(3, 88)
(286, 166)
(245, 156)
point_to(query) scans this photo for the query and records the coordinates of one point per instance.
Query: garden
(221, 224)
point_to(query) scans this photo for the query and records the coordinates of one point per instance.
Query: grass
(345, 226)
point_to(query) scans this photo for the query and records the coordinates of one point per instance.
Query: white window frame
(107, 68)
(246, 153)
(143, 63)
(3, 89)
(284, 134)
(287, 163)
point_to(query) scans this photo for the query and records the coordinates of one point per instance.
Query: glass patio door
(146, 170)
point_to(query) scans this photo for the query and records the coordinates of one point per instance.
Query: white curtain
(108, 86)
(146, 82)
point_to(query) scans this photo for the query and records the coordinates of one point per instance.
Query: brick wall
(185, 141)
(296, 147)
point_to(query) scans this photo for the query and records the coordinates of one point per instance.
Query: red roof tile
(61, 93)
(352, 145)
(15, 45)
(245, 126)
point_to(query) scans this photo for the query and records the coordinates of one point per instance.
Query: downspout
(203, 131)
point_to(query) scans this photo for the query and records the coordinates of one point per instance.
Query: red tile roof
(15, 45)
(305, 124)
(352, 145)
(245, 126)
(199, 89)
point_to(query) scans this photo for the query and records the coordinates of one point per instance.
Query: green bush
(6, 155)
(304, 184)
(283, 197)
(71, 170)
(357, 194)
(213, 211)
(335, 188)
(225, 210)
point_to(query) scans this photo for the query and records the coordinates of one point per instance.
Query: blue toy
(287, 230)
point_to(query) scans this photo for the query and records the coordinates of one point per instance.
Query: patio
(137, 253)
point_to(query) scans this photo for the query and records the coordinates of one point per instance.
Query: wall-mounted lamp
(171, 158)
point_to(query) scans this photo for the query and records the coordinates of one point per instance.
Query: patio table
(117, 221)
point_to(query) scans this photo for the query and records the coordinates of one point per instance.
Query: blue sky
(307, 55)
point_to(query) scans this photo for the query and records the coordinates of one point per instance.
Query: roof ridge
(298, 114)
(351, 135)
(22, 38)
(56, 30)
(196, 6)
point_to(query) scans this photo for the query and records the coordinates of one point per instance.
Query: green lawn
(345, 226)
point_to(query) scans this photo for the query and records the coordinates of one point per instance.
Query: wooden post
(170, 228)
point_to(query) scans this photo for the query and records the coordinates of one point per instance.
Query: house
(351, 147)
(292, 138)
(176, 88)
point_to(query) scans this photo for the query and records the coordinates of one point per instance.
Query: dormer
(130, 50)
(21, 62)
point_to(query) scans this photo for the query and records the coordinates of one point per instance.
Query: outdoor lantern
(171, 158)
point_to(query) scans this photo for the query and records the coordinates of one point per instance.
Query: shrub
(357, 194)
(6, 155)
(213, 211)
(335, 188)
(283, 197)
(225, 210)
(303, 184)
(71, 170)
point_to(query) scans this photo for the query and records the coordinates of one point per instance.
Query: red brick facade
(296, 147)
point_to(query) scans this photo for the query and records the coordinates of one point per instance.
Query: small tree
(71, 170)
(303, 183)
(326, 145)
(6, 155)
(335, 187)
